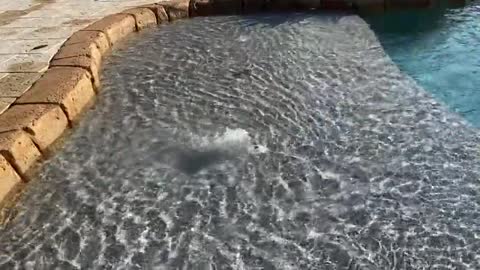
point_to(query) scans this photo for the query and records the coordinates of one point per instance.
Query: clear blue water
(440, 50)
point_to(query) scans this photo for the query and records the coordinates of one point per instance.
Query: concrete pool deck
(52, 52)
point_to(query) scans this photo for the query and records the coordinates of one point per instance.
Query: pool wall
(211, 7)
(33, 126)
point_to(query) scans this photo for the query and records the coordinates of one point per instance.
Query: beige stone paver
(15, 84)
(5, 103)
(32, 31)
(9, 176)
(25, 63)
(30, 46)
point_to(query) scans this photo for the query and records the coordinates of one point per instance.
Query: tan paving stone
(83, 62)
(3, 75)
(160, 12)
(37, 22)
(44, 122)
(4, 58)
(89, 50)
(59, 11)
(178, 9)
(5, 103)
(144, 17)
(17, 5)
(15, 84)
(29, 46)
(60, 32)
(97, 37)
(18, 148)
(11, 33)
(35, 33)
(116, 26)
(70, 87)
(9, 179)
(26, 63)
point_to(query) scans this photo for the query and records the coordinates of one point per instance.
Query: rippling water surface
(441, 50)
(273, 142)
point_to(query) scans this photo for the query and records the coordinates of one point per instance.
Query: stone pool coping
(32, 127)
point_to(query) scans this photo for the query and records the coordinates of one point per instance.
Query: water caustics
(269, 142)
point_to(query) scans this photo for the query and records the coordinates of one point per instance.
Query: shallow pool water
(272, 142)
(441, 50)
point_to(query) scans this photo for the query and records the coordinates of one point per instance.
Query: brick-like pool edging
(31, 128)
(37, 120)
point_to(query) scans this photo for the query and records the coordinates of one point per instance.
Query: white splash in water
(243, 38)
(232, 138)
(258, 149)
(235, 140)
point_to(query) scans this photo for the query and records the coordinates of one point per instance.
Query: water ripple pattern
(272, 142)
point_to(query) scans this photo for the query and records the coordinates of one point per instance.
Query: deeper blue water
(440, 50)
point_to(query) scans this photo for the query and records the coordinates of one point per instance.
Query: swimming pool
(440, 50)
(262, 142)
